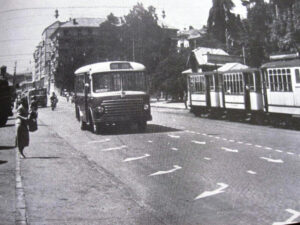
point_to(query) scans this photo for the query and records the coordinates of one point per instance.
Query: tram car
(236, 91)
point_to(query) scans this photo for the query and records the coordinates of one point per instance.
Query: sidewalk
(167, 104)
(62, 186)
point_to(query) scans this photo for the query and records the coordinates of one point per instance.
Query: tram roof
(106, 67)
(282, 63)
(226, 68)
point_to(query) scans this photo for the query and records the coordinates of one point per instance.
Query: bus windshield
(117, 81)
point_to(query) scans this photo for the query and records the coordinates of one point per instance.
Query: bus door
(248, 77)
(86, 92)
(207, 91)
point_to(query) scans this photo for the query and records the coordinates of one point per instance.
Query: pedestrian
(185, 99)
(33, 104)
(22, 133)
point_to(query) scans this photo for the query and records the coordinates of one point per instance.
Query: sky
(23, 21)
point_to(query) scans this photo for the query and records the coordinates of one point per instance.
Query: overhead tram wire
(63, 7)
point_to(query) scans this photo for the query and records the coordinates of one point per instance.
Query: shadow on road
(6, 147)
(151, 128)
(3, 161)
(43, 157)
(9, 125)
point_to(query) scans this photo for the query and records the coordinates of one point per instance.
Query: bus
(114, 92)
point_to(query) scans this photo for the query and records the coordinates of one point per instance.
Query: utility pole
(14, 78)
(244, 56)
(133, 54)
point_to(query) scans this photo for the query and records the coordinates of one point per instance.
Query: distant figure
(33, 104)
(185, 99)
(22, 133)
(67, 96)
(53, 100)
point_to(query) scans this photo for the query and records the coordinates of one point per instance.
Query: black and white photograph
(150, 112)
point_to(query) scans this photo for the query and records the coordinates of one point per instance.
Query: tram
(271, 92)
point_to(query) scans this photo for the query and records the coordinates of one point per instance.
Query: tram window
(271, 83)
(211, 81)
(289, 83)
(275, 83)
(251, 82)
(297, 76)
(284, 82)
(280, 83)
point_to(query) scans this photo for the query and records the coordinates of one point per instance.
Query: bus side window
(297, 73)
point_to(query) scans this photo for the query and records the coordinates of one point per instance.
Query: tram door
(248, 77)
(207, 85)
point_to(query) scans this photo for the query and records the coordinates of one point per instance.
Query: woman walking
(22, 136)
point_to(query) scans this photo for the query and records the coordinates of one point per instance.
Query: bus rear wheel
(142, 125)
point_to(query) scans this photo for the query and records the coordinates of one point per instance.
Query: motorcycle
(53, 103)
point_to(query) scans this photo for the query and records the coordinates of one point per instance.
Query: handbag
(32, 122)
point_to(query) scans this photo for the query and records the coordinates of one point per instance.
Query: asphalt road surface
(182, 170)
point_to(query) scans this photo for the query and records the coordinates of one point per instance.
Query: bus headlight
(100, 109)
(146, 107)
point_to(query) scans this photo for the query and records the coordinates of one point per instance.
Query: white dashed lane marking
(115, 148)
(258, 146)
(199, 142)
(272, 160)
(278, 151)
(175, 167)
(215, 192)
(136, 158)
(251, 172)
(268, 148)
(174, 149)
(229, 149)
(100, 141)
(207, 158)
(150, 141)
(173, 136)
(290, 153)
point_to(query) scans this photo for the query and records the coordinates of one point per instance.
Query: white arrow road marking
(165, 172)
(251, 172)
(199, 142)
(115, 148)
(295, 215)
(173, 136)
(100, 141)
(229, 150)
(206, 158)
(272, 160)
(210, 193)
(135, 158)
(174, 149)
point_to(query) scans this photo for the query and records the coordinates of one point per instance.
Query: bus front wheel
(82, 124)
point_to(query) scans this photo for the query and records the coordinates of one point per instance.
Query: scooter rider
(53, 100)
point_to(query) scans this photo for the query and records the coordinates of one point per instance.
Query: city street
(182, 170)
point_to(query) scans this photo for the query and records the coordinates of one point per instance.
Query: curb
(167, 107)
(20, 217)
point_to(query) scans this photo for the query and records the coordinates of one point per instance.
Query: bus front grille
(122, 107)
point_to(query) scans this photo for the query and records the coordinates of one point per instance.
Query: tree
(218, 19)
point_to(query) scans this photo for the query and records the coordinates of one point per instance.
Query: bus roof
(111, 66)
